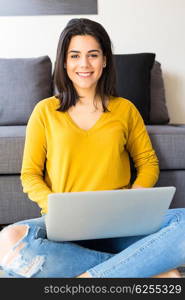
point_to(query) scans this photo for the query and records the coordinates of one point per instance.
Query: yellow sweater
(60, 157)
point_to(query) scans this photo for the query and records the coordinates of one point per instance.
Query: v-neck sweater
(59, 156)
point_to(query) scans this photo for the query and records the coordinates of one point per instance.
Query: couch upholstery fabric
(23, 82)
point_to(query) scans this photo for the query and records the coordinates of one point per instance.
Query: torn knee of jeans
(26, 267)
(21, 261)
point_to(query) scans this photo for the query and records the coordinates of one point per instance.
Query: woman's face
(84, 62)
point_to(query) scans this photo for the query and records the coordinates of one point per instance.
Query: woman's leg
(137, 260)
(29, 254)
(150, 255)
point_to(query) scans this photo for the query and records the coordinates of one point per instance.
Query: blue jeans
(136, 256)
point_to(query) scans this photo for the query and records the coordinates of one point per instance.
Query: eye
(74, 56)
(93, 55)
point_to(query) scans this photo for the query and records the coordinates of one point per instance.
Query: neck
(88, 97)
(89, 101)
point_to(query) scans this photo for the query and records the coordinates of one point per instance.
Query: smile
(84, 74)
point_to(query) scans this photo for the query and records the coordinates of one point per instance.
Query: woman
(80, 140)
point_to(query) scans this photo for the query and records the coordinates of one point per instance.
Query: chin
(85, 86)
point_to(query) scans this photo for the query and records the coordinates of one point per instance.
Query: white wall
(134, 26)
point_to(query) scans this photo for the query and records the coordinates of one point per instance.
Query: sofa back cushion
(158, 109)
(133, 80)
(23, 82)
(140, 80)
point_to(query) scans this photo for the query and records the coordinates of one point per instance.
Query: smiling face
(84, 63)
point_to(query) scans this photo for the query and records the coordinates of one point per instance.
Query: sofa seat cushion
(15, 205)
(169, 144)
(174, 178)
(11, 148)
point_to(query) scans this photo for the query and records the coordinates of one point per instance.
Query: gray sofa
(26, 81)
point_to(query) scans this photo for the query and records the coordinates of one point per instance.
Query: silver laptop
(106, 214)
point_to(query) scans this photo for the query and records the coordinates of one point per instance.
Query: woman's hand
(135, 186)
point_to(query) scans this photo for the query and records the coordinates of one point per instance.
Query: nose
(84, 62)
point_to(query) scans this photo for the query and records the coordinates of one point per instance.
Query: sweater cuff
(146, 181)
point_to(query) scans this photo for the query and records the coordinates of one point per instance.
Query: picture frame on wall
(47, 7)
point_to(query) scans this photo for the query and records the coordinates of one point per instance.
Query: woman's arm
(140, 148)
(34, 157)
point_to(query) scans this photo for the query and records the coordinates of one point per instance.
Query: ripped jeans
(136, 256)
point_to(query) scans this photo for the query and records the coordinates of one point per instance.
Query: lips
(84, 74)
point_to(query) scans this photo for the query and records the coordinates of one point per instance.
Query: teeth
(84, 74)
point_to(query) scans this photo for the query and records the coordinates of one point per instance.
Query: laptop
(106, 214)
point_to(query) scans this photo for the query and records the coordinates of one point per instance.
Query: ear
(104, 61)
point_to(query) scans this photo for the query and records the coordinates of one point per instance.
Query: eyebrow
(76, 51)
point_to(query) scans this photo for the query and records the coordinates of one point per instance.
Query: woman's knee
(16, 253)
(13, 233)
(174, 216)
(178, 214)
(11, 236)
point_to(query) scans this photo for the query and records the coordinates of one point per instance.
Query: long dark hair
(106, 85)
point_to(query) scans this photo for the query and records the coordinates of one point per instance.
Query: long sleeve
(60, 157)
(140, 148)
(34, 160)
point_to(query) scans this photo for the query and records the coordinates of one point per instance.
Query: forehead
(83, 43)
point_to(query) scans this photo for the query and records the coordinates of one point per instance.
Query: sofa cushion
(174, 178)
(14, 204)
(133, 80)
(24, 82)
(169, 144)
(11, 148)
(158, 109)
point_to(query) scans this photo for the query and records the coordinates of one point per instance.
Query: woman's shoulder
(122, 103)
(47, 105)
